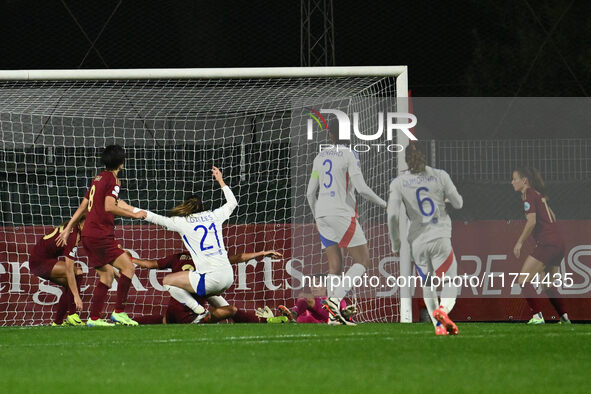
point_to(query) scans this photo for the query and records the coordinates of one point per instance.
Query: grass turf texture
(295, 358)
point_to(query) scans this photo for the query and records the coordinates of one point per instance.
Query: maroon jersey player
(549, 250)
(55, 263)
(101, 203)
(177, 313)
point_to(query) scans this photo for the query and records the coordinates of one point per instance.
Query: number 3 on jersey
(422, 202)
(90, 197)
(328, 172)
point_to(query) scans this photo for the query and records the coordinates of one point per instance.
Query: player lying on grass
(336, 175)
(309, 309)
(100, 204)
(219, 308)
(201, 231)
(55, 263)
(549, 250)
(424, 192)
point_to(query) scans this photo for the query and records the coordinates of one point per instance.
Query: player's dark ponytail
(534, 179)
(415, 158)
(188, 207)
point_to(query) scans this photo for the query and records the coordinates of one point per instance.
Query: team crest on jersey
(526, 206)
(188, 267)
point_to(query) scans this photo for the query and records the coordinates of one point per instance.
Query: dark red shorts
(177, 313)
(101, 251)
(42, 267)
(550, 255)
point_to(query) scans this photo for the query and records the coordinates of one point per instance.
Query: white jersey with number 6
(424, 196)
(202, 234)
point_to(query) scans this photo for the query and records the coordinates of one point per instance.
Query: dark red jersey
(546, 230)
(99, 223)
(177, 262)
(46, 248)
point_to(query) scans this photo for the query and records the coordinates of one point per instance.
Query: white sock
(431, 302)
(356, 270)
(449, 293)
(538, 315)
(330, 289)
(185, 298)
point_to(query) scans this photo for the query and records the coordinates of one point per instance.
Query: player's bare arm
(217, 174)
(239, 258)
(527, 230)
(112, 207)
(71, 279)
(62, 239)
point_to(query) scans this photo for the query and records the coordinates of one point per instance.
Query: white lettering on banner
(46, 287)
(15, 276)
(476, 272)
(2, 271)
(390, 291)
(488, 273)
(152, 276)
(242, 273)
(268, 273)
(490, 278)
(294, 273)
(575, 265)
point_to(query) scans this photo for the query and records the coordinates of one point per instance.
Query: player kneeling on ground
(45, 262)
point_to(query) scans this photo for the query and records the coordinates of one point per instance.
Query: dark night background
(460, 48)
(471, 48)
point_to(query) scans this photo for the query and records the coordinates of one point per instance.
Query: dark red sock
(72, 305)
(98, 300)
(557, 301)
(149, 319)
(62, 307)
(534, 300)
(122, 291)
(243, 316)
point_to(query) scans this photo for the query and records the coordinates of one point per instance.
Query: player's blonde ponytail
(415, 158)
(188, 207)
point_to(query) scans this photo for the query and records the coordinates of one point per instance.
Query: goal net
(174, 125)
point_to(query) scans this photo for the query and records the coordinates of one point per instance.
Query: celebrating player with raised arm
(178, 313)
(45, 262)
(549, 250)
(201, 231)
(424, 192)
(101, 203)
(336, 174)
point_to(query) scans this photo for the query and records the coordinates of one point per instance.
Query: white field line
(258, 339)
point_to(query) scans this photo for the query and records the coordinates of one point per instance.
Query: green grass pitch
(295, 358)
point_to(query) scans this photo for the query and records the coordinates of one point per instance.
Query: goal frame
(400, 72)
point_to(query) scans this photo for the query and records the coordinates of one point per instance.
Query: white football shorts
(212, 283)
(435, 257)
(341, 230)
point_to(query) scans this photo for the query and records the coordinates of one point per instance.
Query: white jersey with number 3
(202, 234)
(336, 175)
(424, 196)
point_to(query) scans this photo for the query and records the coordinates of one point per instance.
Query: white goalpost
(174, 125)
